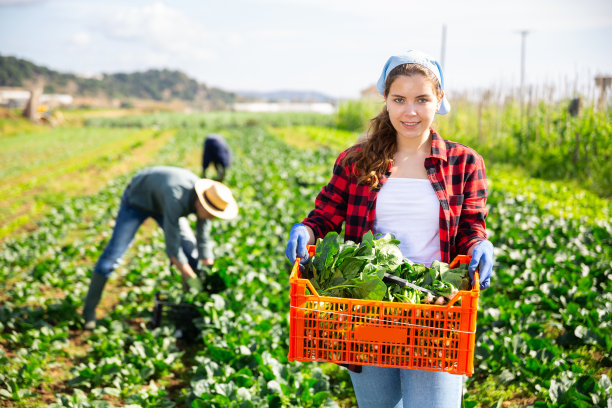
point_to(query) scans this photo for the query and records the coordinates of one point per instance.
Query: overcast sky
(337, 47)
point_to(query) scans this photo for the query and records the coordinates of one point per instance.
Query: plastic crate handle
(295, 274)
(462, 259)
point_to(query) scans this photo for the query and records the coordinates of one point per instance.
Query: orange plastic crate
(386, 334)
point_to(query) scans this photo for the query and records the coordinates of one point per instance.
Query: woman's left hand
(482, 258)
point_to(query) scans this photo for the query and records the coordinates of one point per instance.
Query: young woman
(430, 193)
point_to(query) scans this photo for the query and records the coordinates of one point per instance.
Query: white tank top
(409, 209)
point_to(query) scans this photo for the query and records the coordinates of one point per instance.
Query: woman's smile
(410, 125)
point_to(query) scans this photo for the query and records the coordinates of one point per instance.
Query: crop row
(44, 173)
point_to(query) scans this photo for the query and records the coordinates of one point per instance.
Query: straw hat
(216, 198)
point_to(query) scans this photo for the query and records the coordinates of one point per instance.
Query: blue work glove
(482, 258)
(298, 238)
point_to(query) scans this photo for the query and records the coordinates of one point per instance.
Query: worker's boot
(96, 286)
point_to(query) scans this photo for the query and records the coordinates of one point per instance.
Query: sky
(337, 47)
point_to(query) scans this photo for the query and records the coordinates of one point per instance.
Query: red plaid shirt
(457, 175)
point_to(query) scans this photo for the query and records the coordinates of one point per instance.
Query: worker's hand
(299, 237)
(482, 258)
(192, 283)
(207, 261)
(185, 269)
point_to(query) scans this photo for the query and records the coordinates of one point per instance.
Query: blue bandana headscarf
(414, 57)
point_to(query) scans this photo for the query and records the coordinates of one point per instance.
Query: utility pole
(603, 83)
(523, 41)
(443, 50)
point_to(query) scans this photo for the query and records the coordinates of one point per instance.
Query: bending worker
(168, 195)
(217, 152)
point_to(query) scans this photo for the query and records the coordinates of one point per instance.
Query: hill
(157, 85)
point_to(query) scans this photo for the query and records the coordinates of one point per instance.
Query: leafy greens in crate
(347, 269)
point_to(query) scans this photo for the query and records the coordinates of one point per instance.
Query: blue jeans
(128, 220)
(385, 387)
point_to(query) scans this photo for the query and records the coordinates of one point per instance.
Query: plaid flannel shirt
(457, 175)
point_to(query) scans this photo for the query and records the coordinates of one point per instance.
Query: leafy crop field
(544, 327)
(39, 166)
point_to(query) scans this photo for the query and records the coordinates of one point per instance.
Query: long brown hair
(374, 154)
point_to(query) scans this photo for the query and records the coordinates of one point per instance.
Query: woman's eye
(423, 100)
(398, 100)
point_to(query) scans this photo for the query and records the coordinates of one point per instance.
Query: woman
(430, 193)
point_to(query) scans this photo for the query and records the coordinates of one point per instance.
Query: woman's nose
(409, 108)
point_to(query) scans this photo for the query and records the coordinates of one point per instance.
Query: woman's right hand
(299, 236)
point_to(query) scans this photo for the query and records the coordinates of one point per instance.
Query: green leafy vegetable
(347, 269)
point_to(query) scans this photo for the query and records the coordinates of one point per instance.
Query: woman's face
(412, 104)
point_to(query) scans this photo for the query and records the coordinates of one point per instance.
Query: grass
(11, 126)
(36, 154)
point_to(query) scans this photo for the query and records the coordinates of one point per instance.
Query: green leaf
(388, 252)
(560, 387)
(6, 394)
(604, 383)
(556, 390)
(350, 267)
(346, 249)
(458, 277)
(506, 377)
(580, 331)
(367, 239)
(371, 288)
(274, 401)
(325, 251)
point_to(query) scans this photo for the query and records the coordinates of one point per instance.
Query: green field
(544, 335)
(44, 167)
